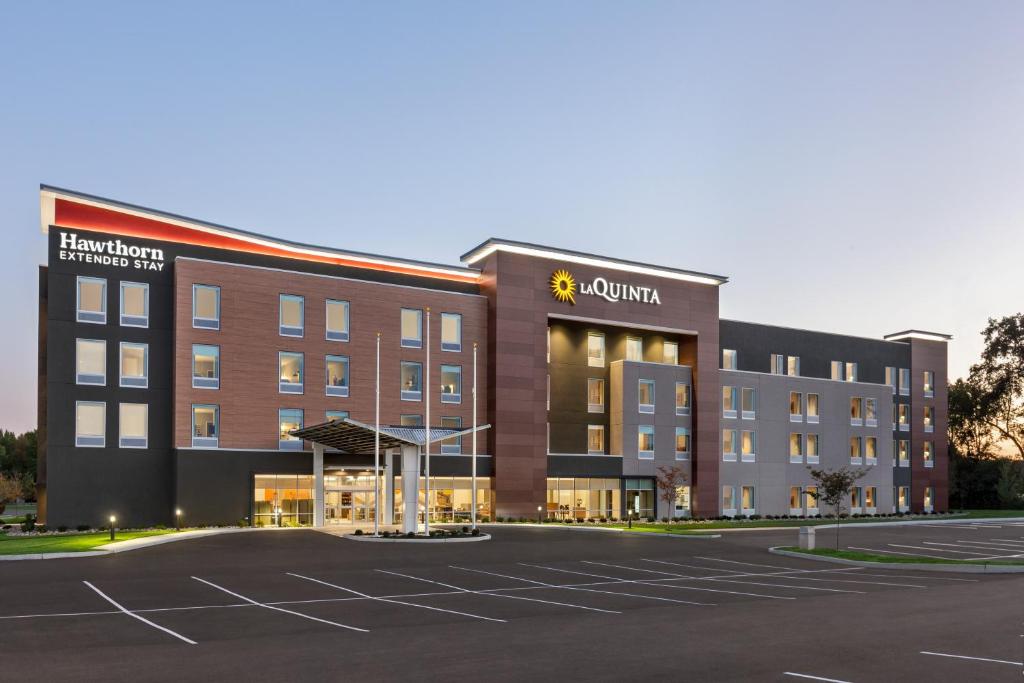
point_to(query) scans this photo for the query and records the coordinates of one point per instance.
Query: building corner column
(410, 488)
(318, 485)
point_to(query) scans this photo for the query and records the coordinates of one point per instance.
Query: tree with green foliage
(833, 487)
(10, 490)
(1010, 488)
(998, 381)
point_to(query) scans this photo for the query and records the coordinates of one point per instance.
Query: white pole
(376, 451)
(473, 484)
(429, 395)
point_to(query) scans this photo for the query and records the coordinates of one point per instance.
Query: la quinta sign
(564, 287)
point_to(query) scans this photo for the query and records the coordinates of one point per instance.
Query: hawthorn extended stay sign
(109, 253)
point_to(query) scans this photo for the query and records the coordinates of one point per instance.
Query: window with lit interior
(451, 332)
(292, 315)
(205, 426)
(337, 376)
(337, 320)
(206, 307)
(412, 381)
(134, 304)
(91, 361)
(205, 366)
(595, 350)
(134, 365)
(90, 424)
(91, 302)
(289, 419)
(133, 425)
(645, 441)
(290, 372)
(451, 384)
(412, 328)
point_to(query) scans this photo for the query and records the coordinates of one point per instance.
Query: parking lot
(530, 603)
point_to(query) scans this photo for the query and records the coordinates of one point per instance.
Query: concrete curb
(534, 525)
(381, 539)
(946, 520)
(947, 568)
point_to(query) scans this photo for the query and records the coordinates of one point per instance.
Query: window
(811, 496)
(595, 439)
(205, 426)
(90, 423)
(452, 445)
(796, 447)
(682, 443)
(870, 412)
(133, 424)
(292, 314)
(796, 409)
(728, 500)
(290, 371)
(337, 320)
(134, 365)
(904, 381)
(851, 372)
(337, 376)
(595, 395)
(748, 403)
(812, 408)
(729, 445)
(870, 450)
(856, 449)
(90, 361)
(645, 442)
(547, 389)
(335, 415)
(595, 350)
(411, 420)
(856, 411)
(837, 370)
(682, 398)
(451, 332)
(451, 384)
(728, 359)
(91, 305)
(929, 419)
(289, 420)
(412, 328)
(206, 307)
(728, 401)
(549, 343)
(811, 449)
(794, 500)
(634, 348)
(929, 498)
(890, 378)
(929, 384)
(870, 498)
(903, 451)
(856, 498)
(903, 498)
(645, 392)
(778, 364)
(134, 304)
(412, 381)
(748, 443)
(793, 366)
(205, 366)
(903, 417)
(929, 454)
(749, 502)
(671, 353)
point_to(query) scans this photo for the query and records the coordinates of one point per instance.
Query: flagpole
(426, 446)
(376, 451)
(474, 437)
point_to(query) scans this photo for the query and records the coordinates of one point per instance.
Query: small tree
(669, 480)
(833, 487)
(10, 490)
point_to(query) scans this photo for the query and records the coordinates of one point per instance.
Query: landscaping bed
(66, 542)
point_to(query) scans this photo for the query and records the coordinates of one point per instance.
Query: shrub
(580, 520)
(475, 532)
(359, 532)
(62, 529)
(500, 519)
(485, 519)
(42, 529)
(386, 533)
(603, 520)
(465, 529)
(650, 519)
(160, 527)
(755, 516)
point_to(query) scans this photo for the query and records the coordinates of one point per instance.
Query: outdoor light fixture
(177, 519)
(539, 518)
(113, 519)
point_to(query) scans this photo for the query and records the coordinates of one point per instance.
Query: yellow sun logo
(563, 286)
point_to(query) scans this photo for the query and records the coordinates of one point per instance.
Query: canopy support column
(410, 488)
(318, 485)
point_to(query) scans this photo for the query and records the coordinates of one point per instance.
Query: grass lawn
(889, 559)
(71, 543)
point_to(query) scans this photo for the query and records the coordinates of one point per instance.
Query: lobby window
(856, 411)
(729, 445)
(206, 307)
(134, 365)
(748, 444)
(856, 450)
(870, 450)
(451, 445)
(890, 378)
(337, 376)
(728, 359)
(645, 441)
(91, 302)
(903, 416)
(749, 500)
(729, 402)
(595, 439)
(748, 403)
(134, 304)
(778, 365)
(812, 448)
(291, 315)
(929, 419)
(451, 332)
(812, 408)
(411, 420)
(851, 372)
(671, 353)
(595, 350)
(634, 348)
(929, 454)
(682, 443)
(337, 320)
(796, 406)
(335, 415)
(811, 497)
(728, 500)
(904, 381)
(595, 395)
(412, 328)
(205, 366)
(793, 366)
(205, 426)
(412, 381)
(682, 398)
(90, 361)
(870, 412)
(290, 372)
(929, 384)
(796, 447)
(289, 419)
(90, 423)
(794, 500)
(451, 384)
(903, 452)
(133, 425)
(645, 392)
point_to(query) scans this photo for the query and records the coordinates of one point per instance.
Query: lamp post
(473, 484)
(177, 519)
(376, 449)
(540, 520)
(426, 440)
(113, 520)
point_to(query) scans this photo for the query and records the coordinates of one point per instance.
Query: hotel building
(178, 357)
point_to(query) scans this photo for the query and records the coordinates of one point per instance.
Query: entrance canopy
(356, 438)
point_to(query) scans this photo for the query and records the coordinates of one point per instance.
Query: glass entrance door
(348, 499)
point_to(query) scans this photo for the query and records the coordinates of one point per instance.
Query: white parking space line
(978, 545)
(280, 609)
(631, 595)
(136, 616)
(897, 552)
(1012, 544)
(734, 578)
(976, 659)
(798, 574)
(396, 602)
(813, 678)
(497, 594)
(60, 614)
(936, 550)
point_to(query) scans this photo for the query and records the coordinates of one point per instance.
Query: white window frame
(793, 366)
(644, 429)
(199, 382)
(929, 423)
(455, 346)
(410, 342)
(857, 421)
(870, 409)
(592, 407)
(812, 458)
(796, 458)
(928, 393)
(752, 455)
(286, 444)
(451, 397)
(284, 387)
(928, 453)
(729, 359)
(903, 409)
(646, 408)
(796, 417)
(337, 335)
(748, 414)
(870, 459)
(778, 363)
(134, 320)
(87, 381)
(596, 362)
(410, 395)
(91, 440)
(288, 330)
(630, 342)
(337, 390)
(598, 428)
(683, 455)
(730, 456)
(904, 378)
(683, 409)
(730, 414)
(205, 323)
(665, 355)
(891, 377)
(206, 441)
(858, 458)
(752, 510)
(729, 512)
(812, 419)
(131, 441)
(91, 317)
(133, 382)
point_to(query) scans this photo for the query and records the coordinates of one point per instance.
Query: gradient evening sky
(855, 167)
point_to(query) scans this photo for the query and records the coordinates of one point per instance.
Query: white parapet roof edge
(918, 334)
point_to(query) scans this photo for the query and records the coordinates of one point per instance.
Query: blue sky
(852, 166)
